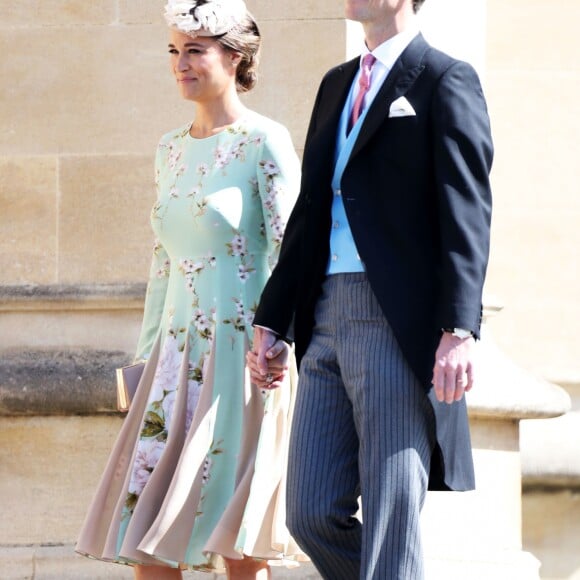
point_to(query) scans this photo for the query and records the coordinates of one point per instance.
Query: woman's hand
(268, 361)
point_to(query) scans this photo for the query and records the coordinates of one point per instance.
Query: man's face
(368, 11)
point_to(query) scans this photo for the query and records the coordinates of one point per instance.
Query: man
(379, 284)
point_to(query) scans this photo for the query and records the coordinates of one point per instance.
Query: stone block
(61, 563)
(456, 27)
(56, 382)
(28, 198)
(57, 317)
(49, 468)
(289, 76)
(464, 516)
(551, 524)
(541, 294)
(535, 139)
(481, 565)
(550, 458)
(113, 329)
(97, 104)
(536, 213)
(531, 89)
(265, 10)
(106, 103)
(514, 44)
(58, 13)
(150, 11)
(105, 89)
(16, 562)
(105, 234)
(141, 12)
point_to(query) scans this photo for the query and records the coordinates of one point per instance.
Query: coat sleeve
(463, 153)
(278, 300)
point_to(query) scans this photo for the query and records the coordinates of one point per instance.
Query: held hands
(453, 370)
(268, 361)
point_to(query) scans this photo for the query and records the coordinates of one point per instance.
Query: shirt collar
(389, 51)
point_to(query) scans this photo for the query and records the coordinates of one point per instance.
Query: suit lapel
(399, 80)
(335, 92)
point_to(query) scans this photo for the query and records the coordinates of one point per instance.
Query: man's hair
(417, 4)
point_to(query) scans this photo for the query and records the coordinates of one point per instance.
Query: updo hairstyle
(244, 39)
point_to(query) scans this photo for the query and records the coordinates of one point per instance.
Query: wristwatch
(459, 332)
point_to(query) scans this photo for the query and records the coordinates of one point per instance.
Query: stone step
(61, 563)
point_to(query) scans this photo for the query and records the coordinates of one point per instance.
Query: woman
(195, 479)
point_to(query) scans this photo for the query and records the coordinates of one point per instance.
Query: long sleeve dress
(197, 472)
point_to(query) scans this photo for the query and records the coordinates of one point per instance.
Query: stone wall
(85, 95)
(533, 83)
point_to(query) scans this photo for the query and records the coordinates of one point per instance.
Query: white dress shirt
(343, 253)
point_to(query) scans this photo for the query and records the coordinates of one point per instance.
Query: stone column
(551, 489)
(478, 535)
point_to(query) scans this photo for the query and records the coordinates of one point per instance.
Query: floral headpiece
(204, 17)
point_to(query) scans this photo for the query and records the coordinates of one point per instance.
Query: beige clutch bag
(127, 380)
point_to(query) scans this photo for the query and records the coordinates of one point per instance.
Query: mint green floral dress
(197, 473)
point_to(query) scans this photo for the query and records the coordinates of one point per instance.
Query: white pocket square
(401, 108)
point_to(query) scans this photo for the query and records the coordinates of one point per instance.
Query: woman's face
(204, 71)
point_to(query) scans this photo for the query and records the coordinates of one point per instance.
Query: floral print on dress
(214, 449)
(221, 208)
(239, 321)
(273, 190)
(148, 454)
(157, 418)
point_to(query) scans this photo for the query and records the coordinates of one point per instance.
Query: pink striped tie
(364, 83)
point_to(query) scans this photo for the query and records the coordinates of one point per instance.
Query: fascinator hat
(204, 17)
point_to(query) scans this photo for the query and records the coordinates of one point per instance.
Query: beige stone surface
(105, 234)
(483, 566)
(17, 563)
(536, 241)
(148, 11)
(58, 12)
(82, 107)
(109, 330)
(61, 563)
(49, 468)
(289, 75)
(306, 9)
(552, 531)
(522, 35)
(28, 213)
(488, 519)
(104, 106)
(550, 454)
(141, 12)
(103, 89)
(120, 96)
(532, 82)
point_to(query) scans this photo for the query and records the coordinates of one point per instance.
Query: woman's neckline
(223, 130)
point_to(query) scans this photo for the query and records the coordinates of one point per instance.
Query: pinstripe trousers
(363, 427)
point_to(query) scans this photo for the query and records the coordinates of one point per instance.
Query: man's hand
(453, 370)
(268, 361)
